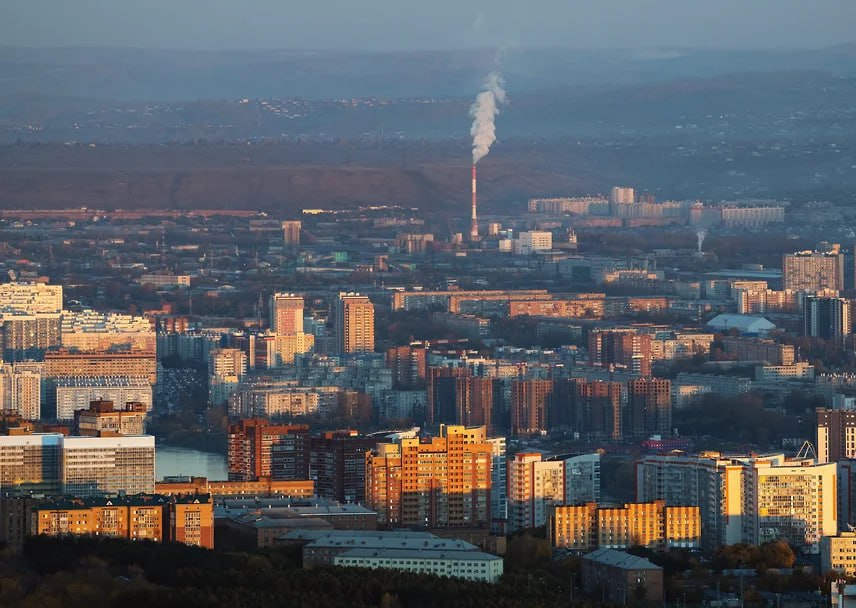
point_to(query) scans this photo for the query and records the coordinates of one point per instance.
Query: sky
(426, 24)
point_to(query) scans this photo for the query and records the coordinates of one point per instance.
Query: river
(171, 461)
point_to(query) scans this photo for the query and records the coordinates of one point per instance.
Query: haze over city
(394, 305)
(443, 24)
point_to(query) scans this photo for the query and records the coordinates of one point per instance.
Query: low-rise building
(263, 486)
(165, 280)
(322, 550)
(103, 419)
(184, 519)
(838, 554)
(617, 577)
(468, 565)
(653, 525)
(76, 393)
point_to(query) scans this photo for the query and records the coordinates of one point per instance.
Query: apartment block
(184, 519)
(338, 464)
(751, 499)
(621, 348)
(836, 434)
(20, 391)
(828, 319)
(262, 487)
(257, 449)
(649, 408)
(755, 349)
(408, 364)
(64, 364)
(286, 314)
(91, 331)
(32, 298)
(653, 525)
(811, 271)
(838, 554)
(534, 485)
(529, 406)
(76, 393)
(92, 466)
(354, 323)
(442, 482)
(291, 232)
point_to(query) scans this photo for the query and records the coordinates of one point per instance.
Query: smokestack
(474, 226)
(484, 110)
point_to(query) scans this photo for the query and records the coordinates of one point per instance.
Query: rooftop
(620, 559)
(426, 554)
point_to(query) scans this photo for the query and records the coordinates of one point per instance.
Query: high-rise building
(52, 464)
(29, 319)
(31, 464)
(444, 393)
(622, 195)
(457, 397)
(836, 434)
(813, 271)
(226, 368)
(354, 323)
(652, 525)
(20, 391)
(337, 463)
(649, 408)
(827, 318)
(748, 499)
(225, 362)
(286, 314)
(257, 449)
(408, 364)
(498, 484)
(621, 348)
(291, 233)
(444, 482)
(582, 479)
(27, 336)
(598, 409)
(534, 485)
(529, 399)
(92, 466)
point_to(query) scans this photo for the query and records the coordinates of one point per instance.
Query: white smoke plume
(484, 110)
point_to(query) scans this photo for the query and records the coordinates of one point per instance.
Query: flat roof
(422, 554)
(378, 541)
(311, 535)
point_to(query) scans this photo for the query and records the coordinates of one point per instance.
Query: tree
(777, 554)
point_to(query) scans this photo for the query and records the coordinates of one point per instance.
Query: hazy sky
(426, 24)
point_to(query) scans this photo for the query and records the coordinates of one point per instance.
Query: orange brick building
(651, 524)
(264, 486)
(443, 482)
(257, 448)
(184, 519)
